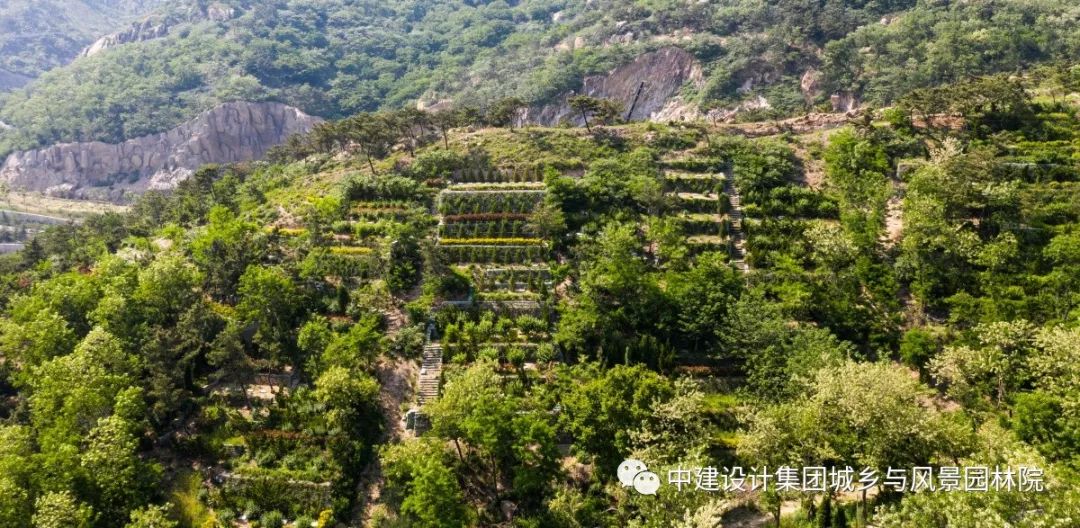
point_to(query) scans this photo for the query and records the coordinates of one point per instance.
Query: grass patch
(185, 496)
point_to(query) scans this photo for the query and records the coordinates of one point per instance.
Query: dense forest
(37, 36)
(336, 58)
(898, 292)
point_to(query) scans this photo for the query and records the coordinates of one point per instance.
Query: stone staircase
(430, 373)
(428, 385)
(738, 239)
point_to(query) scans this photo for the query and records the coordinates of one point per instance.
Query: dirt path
(894, 218)
(894, 210)
(396, 377)
(396, 388)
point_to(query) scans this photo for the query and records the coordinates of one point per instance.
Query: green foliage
(270, 301)
(246, 318)
(1057, 503)
(61, 510)
(432, 496)
(40, 35)
(496, 55)
(857, 414)
(857, 171)
(604, 408)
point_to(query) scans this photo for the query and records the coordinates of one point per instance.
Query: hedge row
(468, 202)
(493, 254)
(489, 175)
(483, 217)
(518, 241)
(504, 228)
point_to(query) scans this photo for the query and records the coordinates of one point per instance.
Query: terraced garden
(699, 202)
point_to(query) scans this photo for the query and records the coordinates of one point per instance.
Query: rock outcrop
(844, 102)
(159, 26)
(644, 87)
(229, 133)
(810, 85)
(148, 29)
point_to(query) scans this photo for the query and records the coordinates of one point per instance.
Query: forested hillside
(898, 292)
(335, 58)
(37, 36)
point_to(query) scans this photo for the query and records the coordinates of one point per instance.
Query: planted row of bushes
(466, 202)
(489, 175)
(699, 246)
(694, 184)
(501, 296)
(775, 236)
(695, 165)
(351, 250)
(463, 329)
(513, 354)
(511, 186)
(516, 241)
(533, 279)
(494, 229)
(257, 494)
(702, 205)
(386, 209)
(365, 228)
(493, 254)
(790, 200)
(483, 217)
(287, 231)
(321, 263)
(702, 225)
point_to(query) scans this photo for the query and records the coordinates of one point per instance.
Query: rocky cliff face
(146, 30)
(159, 26)
(230, 133)
(645, 87)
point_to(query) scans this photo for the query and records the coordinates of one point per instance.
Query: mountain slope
(38, 35)
(335, 58)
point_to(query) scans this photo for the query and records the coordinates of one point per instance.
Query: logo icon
(634, 474)
(646, 483)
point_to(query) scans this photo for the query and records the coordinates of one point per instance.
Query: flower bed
(351, 250)
(287, 231)
(522, 186)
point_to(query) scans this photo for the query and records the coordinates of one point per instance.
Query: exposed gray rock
(159, 26)
(148, 29)
(844, 102)
(230, 133)
(810, 84)
(659, 76)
